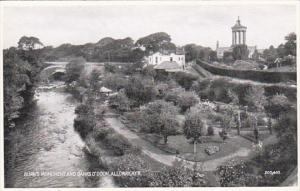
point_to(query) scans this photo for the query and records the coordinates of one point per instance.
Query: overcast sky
(201, 24)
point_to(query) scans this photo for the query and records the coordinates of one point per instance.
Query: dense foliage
(240, 52)
(74, 69)
(156, 42)
(20, 73)
(285, 52)
(160, 117)
(141, 90)
(194, 127)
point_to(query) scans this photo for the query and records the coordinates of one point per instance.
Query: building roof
(105, 90)
(238, 25)
(224, 49)
(167, 53)
(168, 65)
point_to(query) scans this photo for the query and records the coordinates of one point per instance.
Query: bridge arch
(53, 72)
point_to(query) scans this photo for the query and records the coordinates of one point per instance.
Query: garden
(194, 119)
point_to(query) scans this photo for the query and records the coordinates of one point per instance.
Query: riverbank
(45, 141)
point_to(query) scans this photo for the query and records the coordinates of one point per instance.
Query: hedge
(256, 75)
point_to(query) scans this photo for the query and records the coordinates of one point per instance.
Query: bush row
(218, 90)
(262, 76)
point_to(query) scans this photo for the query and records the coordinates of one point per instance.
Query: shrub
(132, 162)
(100, 132)
(140, 89)
(210, 131)
(74, 69)
(114, 81)
(119, 144)
(160, 117)
(236, 173)
(173, 95)
(119, 102)
(185, 79)
(178, 176)
(84, 125)
(257, 75)
(187, 99)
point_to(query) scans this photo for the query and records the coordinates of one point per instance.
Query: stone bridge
(53, 71)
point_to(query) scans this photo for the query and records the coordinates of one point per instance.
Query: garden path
(168, 159)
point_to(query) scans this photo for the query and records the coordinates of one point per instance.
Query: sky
(267, 24)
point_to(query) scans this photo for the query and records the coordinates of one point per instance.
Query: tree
(270, 54)
(240, 52)
(119, 102)
(141, 90)
(160, 117)
(193, 51)
(187, 99)
(155, 42)
(114, 81)
(255, 98)
(173, 95)
(74, 69)
(290, 45)
(110, 68)
(194, 126)
(278, 105)
(185, 79)
(29, 43)
(213, 56)
(94, 80)
(169, 123)
(228, 57)
(235, 100)
(20, 73)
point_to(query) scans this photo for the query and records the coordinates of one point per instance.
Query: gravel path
(168, 159)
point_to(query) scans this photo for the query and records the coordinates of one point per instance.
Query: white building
(171, 61)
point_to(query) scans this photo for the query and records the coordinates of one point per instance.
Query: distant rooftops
(168, 65)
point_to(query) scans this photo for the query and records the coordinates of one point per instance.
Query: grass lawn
(186, 149)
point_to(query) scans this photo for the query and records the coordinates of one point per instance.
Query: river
(45, 147)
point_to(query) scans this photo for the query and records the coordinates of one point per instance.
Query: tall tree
(74, 69)
(156, 41)
(160, 117)
(290, 44)
(29, 43)
(240, 52)
(194, 126)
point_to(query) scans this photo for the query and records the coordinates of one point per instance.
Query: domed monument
(238, 38)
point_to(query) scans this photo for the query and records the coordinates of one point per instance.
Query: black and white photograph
(149, 94)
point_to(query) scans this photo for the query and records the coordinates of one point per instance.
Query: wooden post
(195, 150)
(239, 122)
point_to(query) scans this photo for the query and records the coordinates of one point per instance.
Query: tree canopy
(29, 43)
(155, 42)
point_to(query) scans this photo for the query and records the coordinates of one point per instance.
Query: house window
(171, 59)
(179, 58)
(156, 60)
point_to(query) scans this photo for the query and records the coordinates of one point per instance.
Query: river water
(45, 151)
